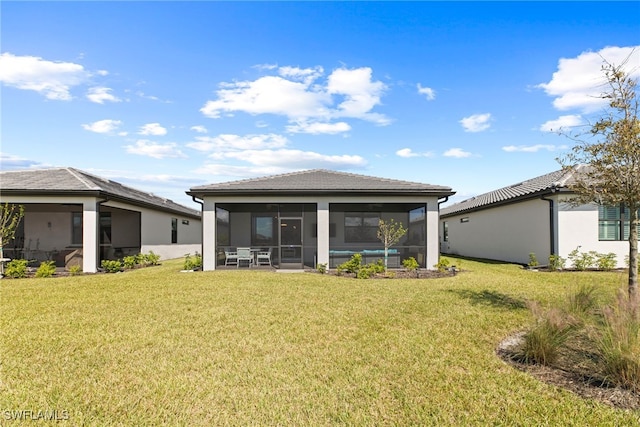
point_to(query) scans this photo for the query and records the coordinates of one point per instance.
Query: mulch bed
(569, 378)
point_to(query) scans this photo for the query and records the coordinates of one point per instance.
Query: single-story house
(533, 216)
(73, 217)
(313, 217)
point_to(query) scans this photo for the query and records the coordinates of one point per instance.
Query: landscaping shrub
(46, 269)
(442, 265)
(411, 265)
(321, 268)
(533, 260)
(582, 260)
(75, 270)
(606, 262)
(556, 262)
(150, 259)
(130, 261)
(111, 266)
(192, 262)
(351, 266)
(16, 268)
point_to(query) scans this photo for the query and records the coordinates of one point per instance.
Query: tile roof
(522, 190)
(71, 181)
(320, 181)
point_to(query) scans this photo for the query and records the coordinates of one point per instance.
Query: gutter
(552, 223)
(201, 203)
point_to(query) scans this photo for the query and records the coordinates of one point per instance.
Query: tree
(389, 233)
(10, 217)
(606, 158)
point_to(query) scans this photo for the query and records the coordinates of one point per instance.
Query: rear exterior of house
(533, 216)
(76, 218)
(318, 217)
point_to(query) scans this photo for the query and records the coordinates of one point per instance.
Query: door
(291, 243)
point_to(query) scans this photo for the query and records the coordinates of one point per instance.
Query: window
(361, 227)
(465, 219)
(76, 228)
(263, 230)
(445, 231)
(613, 223)
(174, 230)
(223, 229)
(104, 231)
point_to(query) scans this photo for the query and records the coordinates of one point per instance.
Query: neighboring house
(73, 217)
(318, 217)
(532, 216)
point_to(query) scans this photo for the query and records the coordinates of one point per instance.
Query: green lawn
(156, 346)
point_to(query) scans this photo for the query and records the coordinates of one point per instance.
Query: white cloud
(230, 142)
(299, 95)
(476, 122)
(429, 93)
(144, 147)
(11, 162)
(101, 94)
(317, 128)
(293, 159)
(579, 82)
(102, 126)
(199, 129)
(408, 152)
(561, 123)
(152, 129)
(457, 153)
(54, 80)
(533, 148)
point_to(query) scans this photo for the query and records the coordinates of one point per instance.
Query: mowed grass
(156, 346)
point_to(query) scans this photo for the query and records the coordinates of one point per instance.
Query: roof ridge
(81, 176)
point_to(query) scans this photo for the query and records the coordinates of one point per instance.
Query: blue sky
(164, 96)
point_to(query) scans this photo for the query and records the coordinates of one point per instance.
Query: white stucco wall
(578, 227)
(506, 233)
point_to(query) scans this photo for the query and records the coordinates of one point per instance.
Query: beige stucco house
(533, 216)
(313, 217)
(73, 217)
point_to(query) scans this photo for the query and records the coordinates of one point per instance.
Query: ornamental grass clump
(619, 343)
(543, 342)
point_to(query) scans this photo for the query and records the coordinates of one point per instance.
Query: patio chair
(263, 257)
(230, 257)
(244, 254)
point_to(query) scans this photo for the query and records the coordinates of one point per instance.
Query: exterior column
(90, 235)
(433, 238)
(209, 235)
(323, 233)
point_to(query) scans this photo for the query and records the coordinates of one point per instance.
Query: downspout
(201, 223)
(446, 199)
(99, 246)
(552, 224)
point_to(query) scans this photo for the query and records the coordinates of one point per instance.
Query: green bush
(370, 270)
(150, 259)
(192, 262)
(533, 260)
(16, 268)
(111, 266)
(130, 261)
(75, 270)
(410, 264)
(606, 262)
(582, 260)
(351, 266)
(46, 269)
(321, 268)
(442, 265)
(556, 262)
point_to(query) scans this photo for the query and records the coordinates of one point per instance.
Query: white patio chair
(244, 254)
(264, 257)
(230, 257)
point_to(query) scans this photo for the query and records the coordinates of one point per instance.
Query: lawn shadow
(491, 298)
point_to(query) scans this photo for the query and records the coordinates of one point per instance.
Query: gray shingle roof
(320, 181)
(71, 181)
(526, 189)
